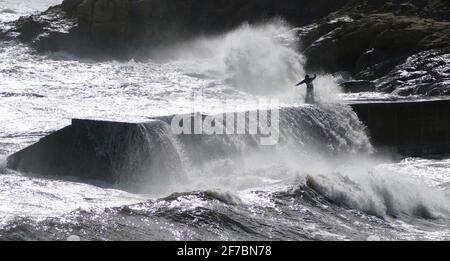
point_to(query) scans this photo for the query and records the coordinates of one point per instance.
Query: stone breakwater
(125, 153)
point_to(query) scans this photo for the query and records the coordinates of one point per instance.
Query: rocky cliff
(122, 28)
(402, 46)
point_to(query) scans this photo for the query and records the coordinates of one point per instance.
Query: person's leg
(309, 95)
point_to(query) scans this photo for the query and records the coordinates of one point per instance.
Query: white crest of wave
(357, 183)
(261, 60)
(363, 183)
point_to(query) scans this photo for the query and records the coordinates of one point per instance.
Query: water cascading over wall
(132, 154)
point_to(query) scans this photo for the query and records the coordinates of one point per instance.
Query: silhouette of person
(309, 88)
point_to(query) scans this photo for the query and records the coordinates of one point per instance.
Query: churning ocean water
(320, 183)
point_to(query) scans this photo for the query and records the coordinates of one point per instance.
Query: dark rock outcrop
(127, 28)
(45, 31)
(375, 40)
(357, 43)
(435, 9)
(425, 73)
(358, 86)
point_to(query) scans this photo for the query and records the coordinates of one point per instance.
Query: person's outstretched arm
(302, 82)
(315, 76)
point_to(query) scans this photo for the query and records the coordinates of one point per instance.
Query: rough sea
(326, 185)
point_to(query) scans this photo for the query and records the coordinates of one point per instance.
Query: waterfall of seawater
(324, 146)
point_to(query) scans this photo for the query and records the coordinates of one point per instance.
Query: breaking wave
(260, 60)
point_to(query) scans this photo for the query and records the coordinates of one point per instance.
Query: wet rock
(70, 6)
(46, 31)
(374, 40)
(379, 69)
(127, 28)
(361, 42)
(425, 73)
(436, 9)
(358, 86)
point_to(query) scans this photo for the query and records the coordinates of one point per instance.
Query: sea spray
(327, 148)
(255, 59)
(379, 192)
(354, 182)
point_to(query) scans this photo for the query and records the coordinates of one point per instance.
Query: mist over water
(320, 182)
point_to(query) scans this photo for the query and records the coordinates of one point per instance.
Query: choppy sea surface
(297, 192)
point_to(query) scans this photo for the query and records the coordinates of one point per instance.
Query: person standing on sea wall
(309, 88)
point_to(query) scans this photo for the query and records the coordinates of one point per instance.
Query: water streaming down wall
(147, 156)
(328, 128)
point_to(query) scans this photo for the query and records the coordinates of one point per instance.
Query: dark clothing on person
(309, 88)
